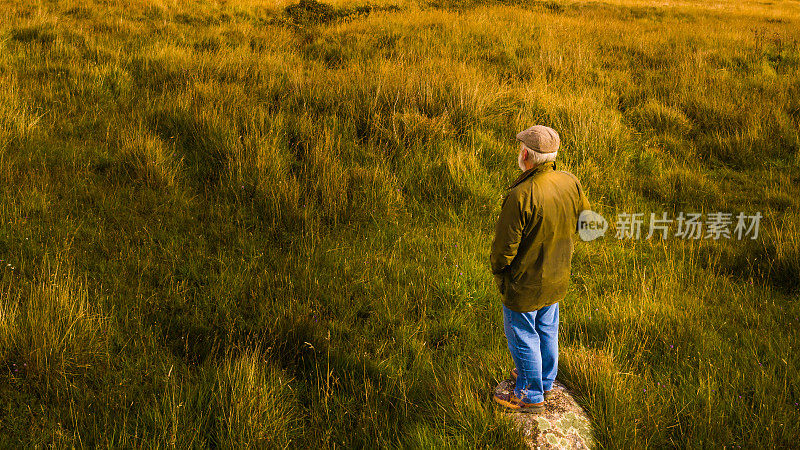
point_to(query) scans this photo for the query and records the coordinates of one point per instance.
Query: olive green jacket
(533, 243)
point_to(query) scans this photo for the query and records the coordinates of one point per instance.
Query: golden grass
(279, 232)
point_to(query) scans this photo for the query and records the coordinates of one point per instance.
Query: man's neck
(537, 165)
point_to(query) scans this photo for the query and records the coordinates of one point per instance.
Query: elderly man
(530, 259)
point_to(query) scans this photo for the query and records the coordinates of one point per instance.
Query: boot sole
(512, 407)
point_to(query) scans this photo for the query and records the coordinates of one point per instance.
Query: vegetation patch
(312, 12)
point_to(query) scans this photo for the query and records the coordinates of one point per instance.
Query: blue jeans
(533, 342)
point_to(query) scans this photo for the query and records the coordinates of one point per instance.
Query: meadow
(266, 224)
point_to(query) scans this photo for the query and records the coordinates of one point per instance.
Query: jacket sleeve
(584, 204)
(508, 232)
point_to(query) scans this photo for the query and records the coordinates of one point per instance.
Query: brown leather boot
(514, 404)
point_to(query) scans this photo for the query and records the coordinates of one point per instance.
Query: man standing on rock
(530, 259)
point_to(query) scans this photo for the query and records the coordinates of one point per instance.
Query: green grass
(228, 225)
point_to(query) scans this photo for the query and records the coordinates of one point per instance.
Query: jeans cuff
(536, 398)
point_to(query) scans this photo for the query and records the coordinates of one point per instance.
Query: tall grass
(50, 330)
(274, 225)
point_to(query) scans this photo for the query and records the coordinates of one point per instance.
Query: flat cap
(540, 139)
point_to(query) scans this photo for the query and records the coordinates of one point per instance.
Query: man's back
(532, 249)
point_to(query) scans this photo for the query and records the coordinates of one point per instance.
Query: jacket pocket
(514, 274)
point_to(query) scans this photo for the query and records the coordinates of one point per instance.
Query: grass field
(228, 224)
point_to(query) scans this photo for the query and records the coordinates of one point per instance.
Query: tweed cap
(540, 139)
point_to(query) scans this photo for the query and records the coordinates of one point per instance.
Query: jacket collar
(543, 167)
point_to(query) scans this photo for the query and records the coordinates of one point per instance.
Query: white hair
(537, 158)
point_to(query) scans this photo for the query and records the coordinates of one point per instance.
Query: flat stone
(562, 425)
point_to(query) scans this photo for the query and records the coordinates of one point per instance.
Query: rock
(563, 424)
